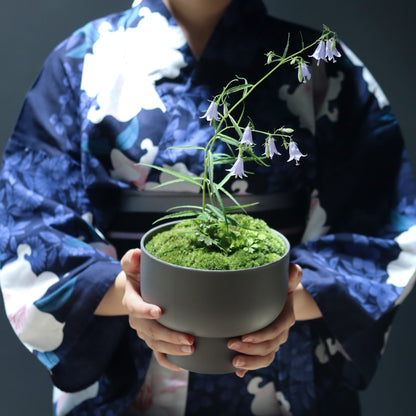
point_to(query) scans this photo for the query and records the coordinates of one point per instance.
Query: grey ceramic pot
(213, 305)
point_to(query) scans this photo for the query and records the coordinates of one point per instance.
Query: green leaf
(237, 207)
(236, 126)
(204, 216)
(209, 241)
(242, 113)
(185, 207)
(229, 195)
(225, 161)
(217, 195)
(287, 46)
(227, 139)
(301, 38)
(192, 179)
(239, 88)
(175, 215)
(218, 213)
(161, 185)
(224, 181)
(210, 162)
(246, 84)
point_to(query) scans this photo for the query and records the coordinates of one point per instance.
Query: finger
(167, 348)
(282, 323)
(295, 276)
(154, 332)
(136, 306)
(241, 373)
(130, 263)
(247, 362)
(262, 349)
(162, 359)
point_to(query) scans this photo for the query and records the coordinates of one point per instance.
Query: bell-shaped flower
(238, 168)
(212, 112)
(303, 72)
(247, 136)
(320, 52)
(270, 148)
(331, 51)
(294, 153)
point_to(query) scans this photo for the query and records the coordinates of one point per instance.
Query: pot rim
(172, 223)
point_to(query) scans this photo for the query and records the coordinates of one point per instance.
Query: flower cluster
(326, 51)
(270, 149)
(227, 126)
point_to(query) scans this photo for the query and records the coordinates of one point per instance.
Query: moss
(210, 246)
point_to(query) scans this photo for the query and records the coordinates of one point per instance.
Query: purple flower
(238, 168)
(294, 153)
(303, 72)
(212, 113)
(320, 52)
(331, 50)
(270, 148)
(247, 136)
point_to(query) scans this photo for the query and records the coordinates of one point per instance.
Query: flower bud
(286, 130)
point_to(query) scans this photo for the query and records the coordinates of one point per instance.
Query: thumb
(130, 264)
(132, 299)
(295, 276)
(135, 304)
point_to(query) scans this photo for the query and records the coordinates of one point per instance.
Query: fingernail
(239, 363)
(154, 312)
(186, 349)
(247, 339)
(234, 346)
(184, 340)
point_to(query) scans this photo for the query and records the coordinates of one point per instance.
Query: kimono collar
(236, 35)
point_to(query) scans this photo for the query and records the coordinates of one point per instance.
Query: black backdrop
(380, 33)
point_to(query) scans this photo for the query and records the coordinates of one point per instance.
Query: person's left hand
(258, 349)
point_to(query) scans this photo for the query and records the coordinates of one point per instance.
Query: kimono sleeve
(359, 251)
(55, 265)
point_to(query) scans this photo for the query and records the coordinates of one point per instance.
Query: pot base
(213, 305)
(211, 356)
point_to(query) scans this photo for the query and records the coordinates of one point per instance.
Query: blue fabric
(61, 178)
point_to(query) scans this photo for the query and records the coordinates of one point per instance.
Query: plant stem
(206, 185)
(281, 62)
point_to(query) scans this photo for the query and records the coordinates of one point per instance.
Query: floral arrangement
(226, 120)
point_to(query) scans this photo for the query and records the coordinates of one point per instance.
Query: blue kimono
(122, 90)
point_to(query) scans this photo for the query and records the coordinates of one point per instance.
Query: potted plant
(218, 274)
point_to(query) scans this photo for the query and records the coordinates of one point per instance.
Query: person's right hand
(142, 317)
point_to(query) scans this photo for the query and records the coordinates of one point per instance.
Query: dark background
(379, 32)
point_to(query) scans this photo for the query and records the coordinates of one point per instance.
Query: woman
(123, 89)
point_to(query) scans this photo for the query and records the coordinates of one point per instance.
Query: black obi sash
(285, 212)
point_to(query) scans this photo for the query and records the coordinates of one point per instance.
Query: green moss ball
(188, 243)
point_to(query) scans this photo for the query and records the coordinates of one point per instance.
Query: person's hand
(258, 349)
(142, 317)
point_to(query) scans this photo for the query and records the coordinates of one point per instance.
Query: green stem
(204, 182)
(206, 185)
(282, 62)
